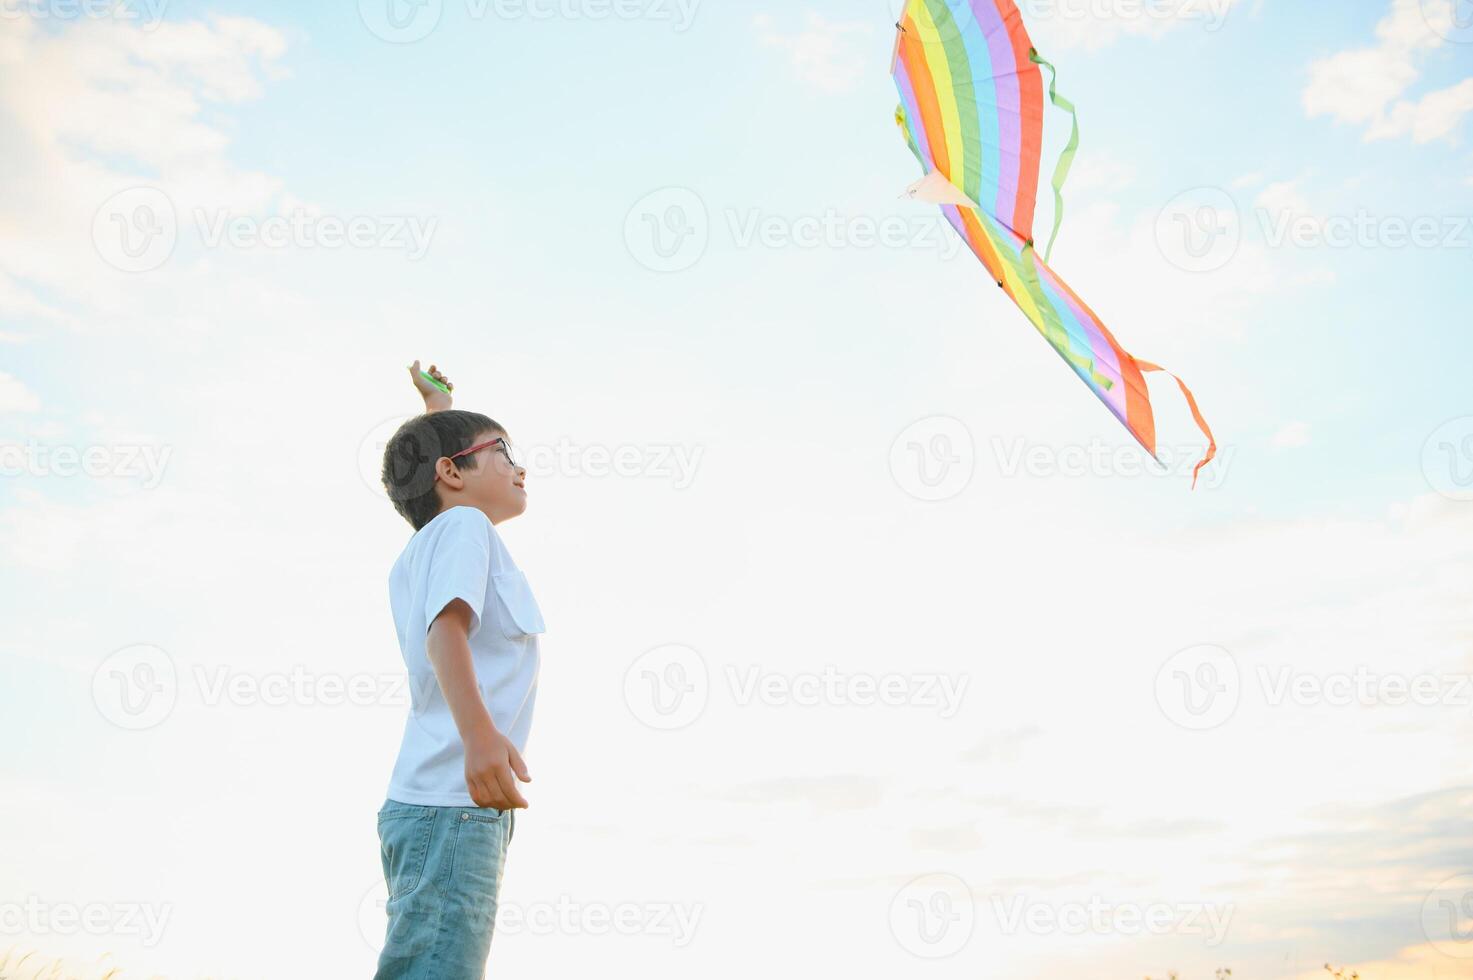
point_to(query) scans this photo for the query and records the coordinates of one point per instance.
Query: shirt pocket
(518, 610)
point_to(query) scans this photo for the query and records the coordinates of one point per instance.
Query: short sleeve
(459, 566)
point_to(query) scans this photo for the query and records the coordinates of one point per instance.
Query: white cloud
(1367, 87)
(1283, 196)
(1105, 175)
(821, 54)
(113, 88)
(1434, 117)
(17, 301)
(100, 106)
(16, 397)
(1292, 436)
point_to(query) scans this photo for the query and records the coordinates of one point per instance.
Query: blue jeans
(443, 868)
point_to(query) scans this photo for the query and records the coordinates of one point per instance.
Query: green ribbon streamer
(1066, 158)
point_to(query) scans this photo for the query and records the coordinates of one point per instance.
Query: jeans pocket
(404, 834)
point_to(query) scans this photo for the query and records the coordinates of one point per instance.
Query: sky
(875, 646)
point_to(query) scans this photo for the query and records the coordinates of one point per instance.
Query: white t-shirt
(459, 555)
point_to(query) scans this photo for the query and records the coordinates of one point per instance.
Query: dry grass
(23, 964)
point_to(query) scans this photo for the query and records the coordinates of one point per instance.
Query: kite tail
(1066, 158)
(1148, 367)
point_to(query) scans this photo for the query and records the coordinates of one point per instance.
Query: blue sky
(773, 392)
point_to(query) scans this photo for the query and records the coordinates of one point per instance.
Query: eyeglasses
(502, 446)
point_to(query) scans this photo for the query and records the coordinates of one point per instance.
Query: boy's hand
(492, 767)
(435, 399)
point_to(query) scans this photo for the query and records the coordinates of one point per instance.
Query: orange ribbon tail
(1148, 367)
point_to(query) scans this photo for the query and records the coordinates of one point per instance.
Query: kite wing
(971, 107)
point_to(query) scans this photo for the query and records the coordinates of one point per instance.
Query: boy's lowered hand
(492, 767)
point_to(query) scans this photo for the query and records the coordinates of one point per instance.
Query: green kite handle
(434, 381)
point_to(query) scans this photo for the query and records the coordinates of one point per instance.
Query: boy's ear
(449, 475)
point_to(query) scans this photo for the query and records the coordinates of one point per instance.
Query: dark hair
(411, 455)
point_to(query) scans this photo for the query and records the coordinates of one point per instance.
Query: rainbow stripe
(975, 101)
(971, 107)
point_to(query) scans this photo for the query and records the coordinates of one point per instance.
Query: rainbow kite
(971, 106)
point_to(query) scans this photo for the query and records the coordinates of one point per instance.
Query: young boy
(468, 626)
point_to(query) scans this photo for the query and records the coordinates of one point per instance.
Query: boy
(468, 626)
